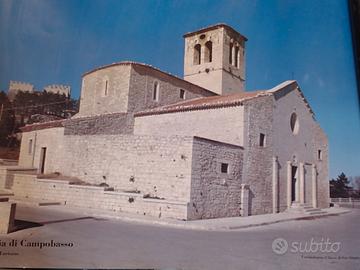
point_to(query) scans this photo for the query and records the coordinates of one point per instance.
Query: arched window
(237, 56)
(208, 51)
(294, 123)
(156, 92)
(197, 54)
(231, 53)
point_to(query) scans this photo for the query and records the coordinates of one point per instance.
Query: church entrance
(293, 183)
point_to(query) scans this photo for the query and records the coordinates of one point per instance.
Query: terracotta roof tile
(225, 101)
(205, 103)
(45, 125)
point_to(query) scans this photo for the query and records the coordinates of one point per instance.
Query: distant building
(16, 87)
(58, 89)
(23, 117)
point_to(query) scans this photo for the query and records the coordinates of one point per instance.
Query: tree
(28, 108)
(355, 182)
(340, 188)
(43, 103)
(7, 120)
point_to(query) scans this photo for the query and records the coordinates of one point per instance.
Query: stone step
(305, 209)
(317, 213)
(312, 210)
(4, 193)
(34, 202)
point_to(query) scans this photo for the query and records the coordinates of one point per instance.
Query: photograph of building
(193, 148)
(179, 134)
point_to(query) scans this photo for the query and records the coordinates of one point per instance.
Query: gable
(287, 87)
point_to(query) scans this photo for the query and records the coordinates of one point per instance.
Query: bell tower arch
(215, 59)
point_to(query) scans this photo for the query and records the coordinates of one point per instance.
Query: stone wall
(158, 173)
(158, 166)
(320, 141)
(299, 147)
(115, 123)
(218, 75)
(52, 139)
(258, 159)
(128, 87)
(16, 87)
(142, 84)
(94, 100)
(214, 193)
(220, 124)
(7, 175)
(60, 191)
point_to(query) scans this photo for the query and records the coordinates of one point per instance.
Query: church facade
(147, 142)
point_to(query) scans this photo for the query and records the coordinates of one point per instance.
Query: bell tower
(215, 59)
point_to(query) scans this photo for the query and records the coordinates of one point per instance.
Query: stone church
(148, 142)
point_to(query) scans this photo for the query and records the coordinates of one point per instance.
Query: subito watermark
(323, 245)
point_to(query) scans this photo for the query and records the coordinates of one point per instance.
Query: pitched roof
(149, 68)
(211, 27)
(45, 125)
(226, 100)
(205, 103)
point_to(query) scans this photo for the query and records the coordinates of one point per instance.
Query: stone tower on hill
(215, 59)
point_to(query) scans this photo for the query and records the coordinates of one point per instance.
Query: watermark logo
(280, 246)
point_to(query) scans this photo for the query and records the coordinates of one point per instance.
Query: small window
(197, 54)
(182, 93)
(294, 123)
(237, 56)
(224, 167)
(231, 53)
(319, 155)
(155, 94)
(106, 88)
(30, 146)
(236, 64)
(262, 140)
(208, 51)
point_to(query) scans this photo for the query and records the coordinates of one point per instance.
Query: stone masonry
(147, 142)
(140, 167)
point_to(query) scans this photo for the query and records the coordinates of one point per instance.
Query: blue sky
(47, 42)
